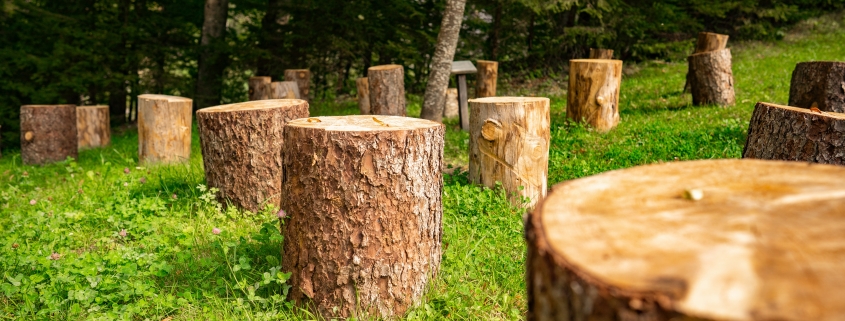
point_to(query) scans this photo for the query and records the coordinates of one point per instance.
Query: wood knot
(302, 74)
(600, 100)
(491, 130)
(27, 136)
(815, 110)
(251, 91)
(537, 149)
(380, 122)
(314, 120)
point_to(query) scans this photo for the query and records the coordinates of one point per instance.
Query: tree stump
(594, 92)
(93, 126)
(707, 42)
(363, 199)
(387, 90)
(795, 134)
(509, 143)
(302, 78)
(363, 95)
(752, 240)
(711, 78)
(819, 84)
(258, 88)
(242, 148)
(485, 81)
(450, 110)
(601, 53)
(284, 90)
(164, 129)
(48, 133)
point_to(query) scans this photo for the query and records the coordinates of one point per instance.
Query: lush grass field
(101, 238)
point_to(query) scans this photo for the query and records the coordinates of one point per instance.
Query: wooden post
(48, 133)
(594, 92)
(257, 88)
(601, 53)
(363, 95)
(485, 83)
(387, 90)
(702, 240)
(242, 147)
(93, 126)
(364, 219)
(463, 108)
(510, 147)
(302, 77)
(164, 129)
(706, 42)
(711, 78)
(451, 101)
(795, 134)
(818, 84)
(284, 90)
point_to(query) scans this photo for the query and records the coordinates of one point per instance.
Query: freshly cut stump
(795, 134)
(258, 88)
(387, 90)
(283, 90)
(242, 147)
(93, 126)
(709, 41)
(509, 143)
(363, 95)
(485, 83)
(164, 129)
(758, 244)
(450, 110)
(48, 133)
(594, 92)
(302, 78)
(601, 53)
(363, 199)
(818, 84)
(711, 78)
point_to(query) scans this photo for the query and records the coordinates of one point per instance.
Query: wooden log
(93, 126)
(702, 240)
(48, 133)
(302, 77)
(363, 95)
(711, 78)
(795, 134)
(594, 92)
(452, 104)
(258, 88)
(164, 129)
(819, 84)
(707, 42)
(485, 81)
(284, 90)
(242, 147)
(601, 53)
(387, 90)
(364, 218)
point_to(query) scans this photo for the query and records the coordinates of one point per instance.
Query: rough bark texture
(594, 92)
(302, 77)
(711, 78)
(283, 90)
(387, 90)
(601, 53)
(485, 83)
(242, 147)
(509, 143)
(363, 198)
(212, 61)
(93, 126)
(795, 134)
(819, 84)
(164, 129)
(451, 101)
(258, 87)
(363, 95)
(441, 63)
(707, 42)
(48, 133)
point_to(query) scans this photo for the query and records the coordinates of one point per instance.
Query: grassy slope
(170, 264)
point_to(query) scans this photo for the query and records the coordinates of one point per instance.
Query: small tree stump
(258, 88)
(594, 92)
(302, 78)
(601, 53)
(363, 95)
(451, 109)
(819, 84)
(48, 133)
(707, 42)
(94, 126)
(754, 240)
(284, 90)
(485, 81)
(164, 129)
(242, 148)
(795, 134)
(711, 78)
(509, 143)
(387, 90)
(363, 197)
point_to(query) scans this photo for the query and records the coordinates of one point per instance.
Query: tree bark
(302, 77)
(213, 60)
(601, 53)
(93, 126)
(819, 84)
(626, 245)
(707, 42)
(387, 90)
(594, 92)
(485, 83)
(164, 129)
(452, 104)
(441, 63)
(363, 198)
(363, 95)
(48, 133)
(711, 78)
(795, 134)
(258, 87)
(283, 90)
(242, 147)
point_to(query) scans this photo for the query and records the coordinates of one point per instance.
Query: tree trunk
(302, 77)
(387, 90)
(594, 92)
(819, 84)
(485, 83)
(93, 126)
(213, 60)
(601, 53)
(441, 63)
(452, 104)
(707, 42)
(363, 199)
(711, 78)
(283, 90)
(753, 240)
(271, 38)
(164, 129)
(117, 103)
(497, 27)
(363, 95)
(48, 133)
(795, 134)
(258, 87)
(242, 147)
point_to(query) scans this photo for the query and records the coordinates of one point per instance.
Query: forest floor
(63, 255)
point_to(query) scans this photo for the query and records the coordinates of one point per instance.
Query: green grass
(170, 264)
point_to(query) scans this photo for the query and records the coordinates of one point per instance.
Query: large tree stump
(387, 90)
(509, 143)
(711, 78)
(601, 53)
(93, 126)
(302, 78)
(363, 95)
(283, 90)
(242, 147)
(452, 105)
(48, 133)
(819, 84)
(164, 129)
(751, 240)
(258, 88)
(485, 80)
(795, 134)
(707, 42)
(363, 197)
(594, 92)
